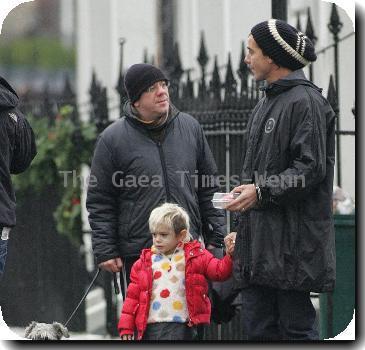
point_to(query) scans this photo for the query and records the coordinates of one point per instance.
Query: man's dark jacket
(287, 241)
(149, 171)
(17, 149)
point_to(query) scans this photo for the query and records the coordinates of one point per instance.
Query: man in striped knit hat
(285, 246)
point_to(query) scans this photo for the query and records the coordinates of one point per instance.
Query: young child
(167, 296)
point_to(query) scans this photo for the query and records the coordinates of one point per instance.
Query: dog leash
(124, 274)
(116, 290)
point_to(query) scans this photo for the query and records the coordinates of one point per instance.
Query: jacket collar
(191, 249)
(132, 116)
(293, 79)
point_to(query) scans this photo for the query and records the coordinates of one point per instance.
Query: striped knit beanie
(284, 44)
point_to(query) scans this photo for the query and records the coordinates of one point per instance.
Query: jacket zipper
(163, 163)
(258, 132)
(188, 263)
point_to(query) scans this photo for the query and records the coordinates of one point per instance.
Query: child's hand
(127, 337)
(230, 241)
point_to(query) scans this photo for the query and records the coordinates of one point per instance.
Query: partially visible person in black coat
(152, 155)
(285, 245)
(17, 150)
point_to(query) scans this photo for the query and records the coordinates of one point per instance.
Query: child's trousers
(169, 331)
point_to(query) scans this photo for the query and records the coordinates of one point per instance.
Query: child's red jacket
(200, 265)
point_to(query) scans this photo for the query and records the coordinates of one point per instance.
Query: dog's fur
(45, 331)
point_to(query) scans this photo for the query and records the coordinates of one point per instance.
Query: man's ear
(135, 104)
(269, 60)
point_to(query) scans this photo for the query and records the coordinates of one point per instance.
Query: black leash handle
(83, 298)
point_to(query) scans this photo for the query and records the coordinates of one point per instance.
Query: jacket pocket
(199, 294)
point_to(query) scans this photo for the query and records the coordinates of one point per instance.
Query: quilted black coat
(135, 173)
(288, 240)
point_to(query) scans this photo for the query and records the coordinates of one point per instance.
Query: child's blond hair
(172, 216)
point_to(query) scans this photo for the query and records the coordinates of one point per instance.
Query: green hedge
(58, 151)
(37, 53)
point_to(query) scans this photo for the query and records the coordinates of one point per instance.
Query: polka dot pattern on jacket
(168, 301)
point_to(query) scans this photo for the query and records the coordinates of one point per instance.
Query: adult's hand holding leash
(112, 265)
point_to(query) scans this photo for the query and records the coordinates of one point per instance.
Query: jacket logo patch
(14, 117)
(269, 126)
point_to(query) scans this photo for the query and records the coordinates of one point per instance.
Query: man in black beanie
(153, 154)
(285, 246)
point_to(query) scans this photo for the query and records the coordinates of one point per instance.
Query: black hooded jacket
(136, 168)
(287, 241)
(17, 149)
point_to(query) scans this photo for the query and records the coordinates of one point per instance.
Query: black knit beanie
(284, 44)
(139, 78)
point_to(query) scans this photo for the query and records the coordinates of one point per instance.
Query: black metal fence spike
(104, 104)
(95, 96)
(335, 24)
(243, 71)
(120, 84)
(298, 26)
(177, 67)
(215, 84)
(242, 66)
(69, 98)
(67, 93)
(123, 97)
(230, 83)
(309, 31)
(202, 91)
(331, 95)
(188, 89)
(145, 56)
(174, 71)
(94, 90)
(203, 57)
(101, 112)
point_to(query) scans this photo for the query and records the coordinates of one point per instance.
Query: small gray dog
(45, 331)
